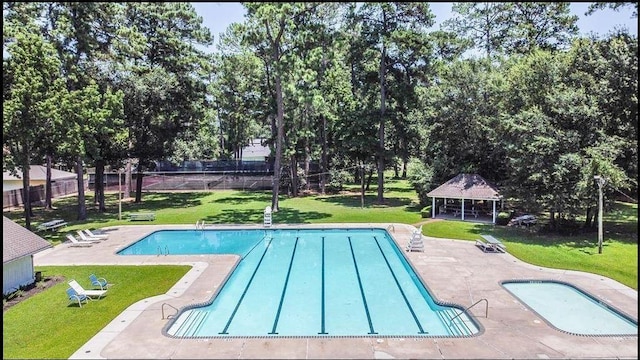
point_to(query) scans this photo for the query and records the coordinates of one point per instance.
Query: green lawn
(55, 330)
(47, 326)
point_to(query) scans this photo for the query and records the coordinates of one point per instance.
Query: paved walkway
(454, 271)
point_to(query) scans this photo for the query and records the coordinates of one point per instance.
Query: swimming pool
(570, 309)
(308, 283)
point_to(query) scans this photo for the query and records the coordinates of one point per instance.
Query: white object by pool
(570, 309)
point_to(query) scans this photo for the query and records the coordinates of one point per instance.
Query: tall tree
(159, 55)
(382, 23)
(31, 96)
(544, 25)
(270, 28)
(616, 6)
(484, 24)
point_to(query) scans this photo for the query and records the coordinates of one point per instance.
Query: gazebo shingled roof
(466, 186)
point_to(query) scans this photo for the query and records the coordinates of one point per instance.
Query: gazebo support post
(462, 211)
(494, 211)
(433, 208)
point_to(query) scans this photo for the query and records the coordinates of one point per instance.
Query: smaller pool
(570, 309)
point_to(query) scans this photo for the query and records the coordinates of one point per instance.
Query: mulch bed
(31, 290)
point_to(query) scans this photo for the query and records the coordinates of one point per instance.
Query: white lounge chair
(90, 293)
(96, 236)
(84, 237)
(77, 243)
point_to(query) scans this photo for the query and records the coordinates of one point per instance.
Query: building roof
(18, 242)
(466, 186)
(39, 172)
(256, 151)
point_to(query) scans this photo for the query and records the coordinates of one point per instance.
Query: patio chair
(102, 283)
(77, 243)
(84, 237)
(91, 234)
(75, 297)
(89, 293)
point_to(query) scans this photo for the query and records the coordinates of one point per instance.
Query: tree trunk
(47, 186)
(369, 178)
(293, 169)
(588, 222)
(100, 186)
(127, 180)
(26, 195)
(405, 162)
(381, 129)
(552, 219)
(279, 140)
(82, 207)
(323, 157)
(139, 182)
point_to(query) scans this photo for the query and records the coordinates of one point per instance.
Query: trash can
(38, 276)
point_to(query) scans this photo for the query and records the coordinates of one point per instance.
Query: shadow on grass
(370, 201)
(585, 242)
(284, 216)
(243, 197)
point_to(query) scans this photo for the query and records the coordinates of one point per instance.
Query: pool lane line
(256, 244)
(284, 289)
(322, 324)
(415, 318)
(364, 298)
(233, 314)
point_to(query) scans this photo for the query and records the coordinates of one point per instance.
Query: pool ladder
(200, 224)
(486, 309)
(166, 250)
(168, 316)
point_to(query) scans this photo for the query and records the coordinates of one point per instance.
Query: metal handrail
(486, 309)
(391, 226)
(163, 304)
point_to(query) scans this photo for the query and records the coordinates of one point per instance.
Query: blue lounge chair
(102, 283)
(74, 296)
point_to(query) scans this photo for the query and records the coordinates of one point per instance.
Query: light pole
(119, 194)
(601, 182)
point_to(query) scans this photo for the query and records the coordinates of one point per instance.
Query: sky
(218, 16)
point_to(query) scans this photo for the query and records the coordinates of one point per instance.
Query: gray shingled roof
(466, 186)
(39, 172)
(18, 241)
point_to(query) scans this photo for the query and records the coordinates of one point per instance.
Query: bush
(426, 212)
(337, 179)
(420, 175)
(503, 218)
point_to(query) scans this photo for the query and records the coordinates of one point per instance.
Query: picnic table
(52, 225)
(142, 216)
(491, 244)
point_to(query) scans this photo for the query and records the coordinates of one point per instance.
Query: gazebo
(465, 187)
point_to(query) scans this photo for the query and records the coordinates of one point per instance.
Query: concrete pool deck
(455, 271)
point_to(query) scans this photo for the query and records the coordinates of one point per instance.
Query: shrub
(503, 218)
(337, 179)
(420, 176)
(426, 212)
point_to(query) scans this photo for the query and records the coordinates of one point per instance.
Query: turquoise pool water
(572, 310)
(308, 282)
